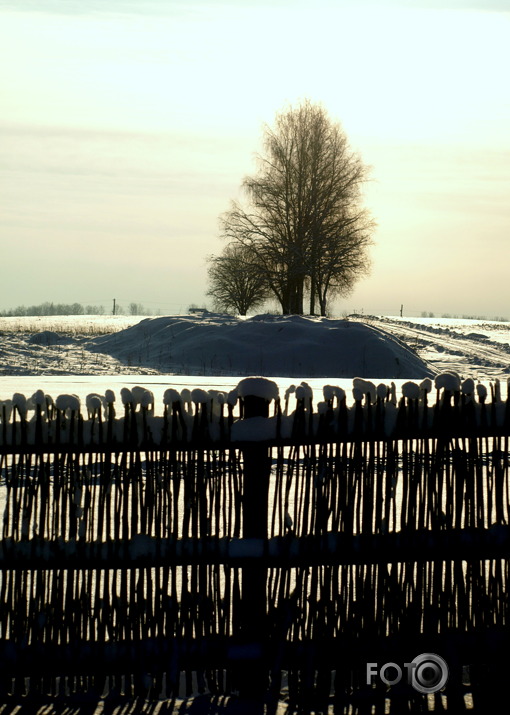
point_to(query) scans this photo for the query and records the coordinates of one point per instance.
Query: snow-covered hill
(221, 345)
(286, 346)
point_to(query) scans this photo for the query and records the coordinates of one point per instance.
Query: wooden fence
(235, 545)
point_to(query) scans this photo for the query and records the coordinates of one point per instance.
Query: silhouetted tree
(236, 282)
(304, 223)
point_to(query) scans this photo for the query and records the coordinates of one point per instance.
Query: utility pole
(401, 309)
(113, 307)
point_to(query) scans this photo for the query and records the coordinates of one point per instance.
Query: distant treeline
(497, 318)
(70, 309)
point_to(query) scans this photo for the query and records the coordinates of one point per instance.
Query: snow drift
(284, 346)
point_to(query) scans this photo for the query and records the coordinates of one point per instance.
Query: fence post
(256, 395)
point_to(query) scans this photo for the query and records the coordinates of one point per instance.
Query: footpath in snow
(479, 349)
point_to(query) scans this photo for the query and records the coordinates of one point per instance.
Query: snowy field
(83, 354)
(473, 348)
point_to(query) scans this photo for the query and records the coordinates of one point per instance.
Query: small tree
(237, 283)
(137, 309)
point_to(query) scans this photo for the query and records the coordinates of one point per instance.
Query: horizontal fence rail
(233, 544)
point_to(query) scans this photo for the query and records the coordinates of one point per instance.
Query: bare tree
(236, 282)
(304, 223)
(137, 309)
(339, 259)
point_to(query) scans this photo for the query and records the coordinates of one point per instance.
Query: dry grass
(70, 325)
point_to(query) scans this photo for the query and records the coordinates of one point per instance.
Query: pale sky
(127, 127)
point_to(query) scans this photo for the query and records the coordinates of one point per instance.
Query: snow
(426, 385)
(357, 393)
(368, 347)
(447, 381)
(68, 402)
(481, 391)
(46, 337)
(411, 390)
(19, 401)
(126, 396)
(468, 386)
(293, 346)
(232, 397)
(329, 392)
(304, 393)
(382, 391)
(473, 348)
(39, 398)
(105, 354)
(94, 404)
(258, 387)
(171, 396)
(151, 417)
(365, 387)
(141, 395)
(200, 396)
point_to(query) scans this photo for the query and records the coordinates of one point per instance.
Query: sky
(127, 127)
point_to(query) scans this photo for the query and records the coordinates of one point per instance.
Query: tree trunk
(292, 302)
(297, 296)
(312, 295)
(285, 301)
(322, 301)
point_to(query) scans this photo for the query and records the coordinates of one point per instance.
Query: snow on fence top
(210, 416)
